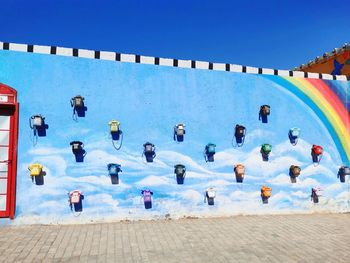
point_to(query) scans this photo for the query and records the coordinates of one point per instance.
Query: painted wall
(149, 100)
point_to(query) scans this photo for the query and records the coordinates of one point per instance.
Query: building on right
(336, 62)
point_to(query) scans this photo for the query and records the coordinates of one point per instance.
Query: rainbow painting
(329, 103)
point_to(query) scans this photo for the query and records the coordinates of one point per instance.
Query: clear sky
(271, 33)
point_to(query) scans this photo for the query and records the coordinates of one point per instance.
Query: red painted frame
(13, 143)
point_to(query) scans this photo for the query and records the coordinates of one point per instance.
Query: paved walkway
(278, 238)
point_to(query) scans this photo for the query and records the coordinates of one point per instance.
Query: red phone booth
(8, 150)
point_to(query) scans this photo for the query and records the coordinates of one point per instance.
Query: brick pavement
(274, 238)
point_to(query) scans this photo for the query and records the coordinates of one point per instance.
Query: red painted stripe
(332, 99)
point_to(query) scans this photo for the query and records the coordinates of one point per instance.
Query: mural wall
(149, 101)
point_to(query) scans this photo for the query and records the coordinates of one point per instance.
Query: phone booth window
(8, 146)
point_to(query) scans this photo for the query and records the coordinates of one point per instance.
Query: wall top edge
(132, 58)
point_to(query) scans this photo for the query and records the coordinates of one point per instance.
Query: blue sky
(276, 34)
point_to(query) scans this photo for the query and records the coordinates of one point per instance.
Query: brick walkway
(278, 238)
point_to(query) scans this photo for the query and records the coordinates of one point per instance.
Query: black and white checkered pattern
(106, 55)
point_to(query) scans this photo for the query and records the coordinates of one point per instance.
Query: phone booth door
(8, 150)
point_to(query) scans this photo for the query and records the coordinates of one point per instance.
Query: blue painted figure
(337, 68)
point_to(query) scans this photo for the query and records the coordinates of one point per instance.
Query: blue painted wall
(148, 101)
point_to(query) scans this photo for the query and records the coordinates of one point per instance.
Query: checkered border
(106, 55)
